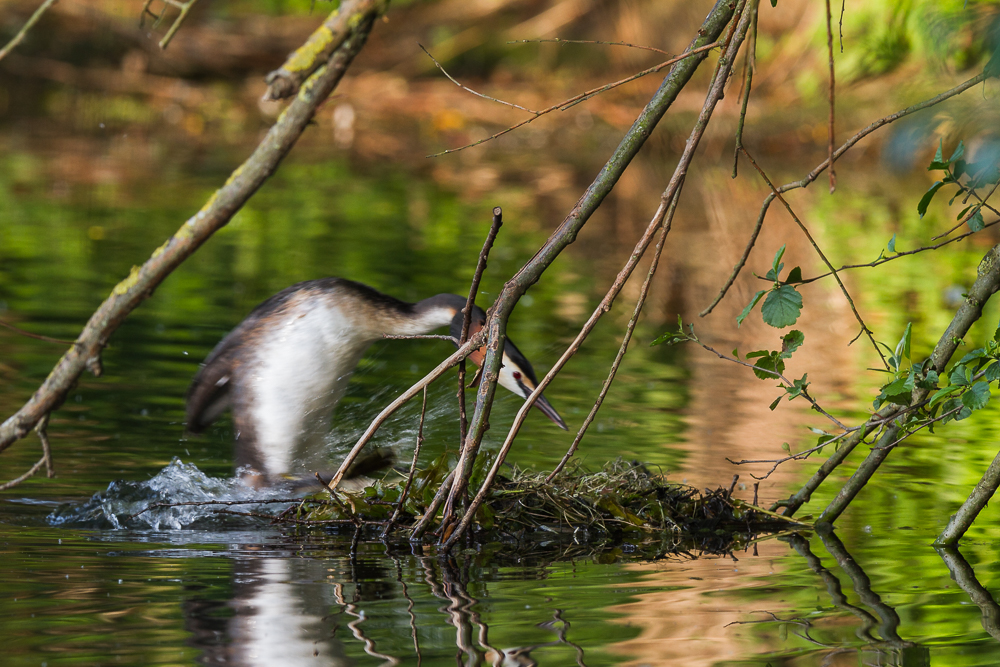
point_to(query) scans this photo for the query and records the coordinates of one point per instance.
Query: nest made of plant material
(621, 498)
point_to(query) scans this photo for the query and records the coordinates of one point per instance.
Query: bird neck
(430, 314)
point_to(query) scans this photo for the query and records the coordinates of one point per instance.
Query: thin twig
(777, 375)
(843, 288)
(413, 469)
(898, 255)
(470, 90)
(566, 104)
(837, 154)
(474, 343)
(749, 64)
(28, 334)
(46, 447)
(625, 341)
(832, 94)
(31, 471)
(420, 337)
(467, 316)
(175, 26)
(587, 41)
(19, 37)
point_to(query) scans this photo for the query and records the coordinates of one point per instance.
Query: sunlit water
(94, 570)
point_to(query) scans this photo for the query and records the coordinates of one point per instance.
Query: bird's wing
(209, 394)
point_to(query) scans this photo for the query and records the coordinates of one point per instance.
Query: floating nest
(623, 503)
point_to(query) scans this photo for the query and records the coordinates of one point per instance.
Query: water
(88, 579)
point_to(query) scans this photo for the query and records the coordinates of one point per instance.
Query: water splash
(119, 505)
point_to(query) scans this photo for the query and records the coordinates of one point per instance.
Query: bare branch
(19, 37)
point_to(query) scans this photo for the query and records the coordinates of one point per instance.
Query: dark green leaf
(958, 376)
(941, 393)
(791, 342)
(960, 167)
(753, 302)
(978, 353)
(782, 307)
(962, 214)
(977, 396)
(992, 372)
(976, 222)
(758, 353)
(774, 403)
(929, 381)
(794, 276)
(768, 367)
(928, 196)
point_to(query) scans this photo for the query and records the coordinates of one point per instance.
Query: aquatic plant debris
(621, 499)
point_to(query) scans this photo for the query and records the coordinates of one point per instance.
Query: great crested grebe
(285, 367)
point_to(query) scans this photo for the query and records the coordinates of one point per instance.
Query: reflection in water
(963, 575)
(891, 649)
(312, 612)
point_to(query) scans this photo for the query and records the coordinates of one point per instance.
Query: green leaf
(977, 396)
(959, 152)
(903, 346)
(976, 222)
(938, 161)
(978, 353)
(929, 381)
(769, 367)
(958, 376)
(753, 302)
(892, 244)
(941, 393)
(790, 342)
(758, 353)
(928, 196)
(776, 264)
(794, 276)
(963, 212)
(774, 403)
(899, 391)
(785, 446)
(992, 372)
(782, 307)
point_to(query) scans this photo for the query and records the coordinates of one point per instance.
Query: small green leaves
(675, 337)
(977, 396)
(892, 244)
(782, 307)
(753, 302)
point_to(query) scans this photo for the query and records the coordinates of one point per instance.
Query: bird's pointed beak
(542, 404)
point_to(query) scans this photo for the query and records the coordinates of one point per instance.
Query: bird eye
(517, 376)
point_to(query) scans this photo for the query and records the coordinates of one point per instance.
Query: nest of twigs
(621, 502)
